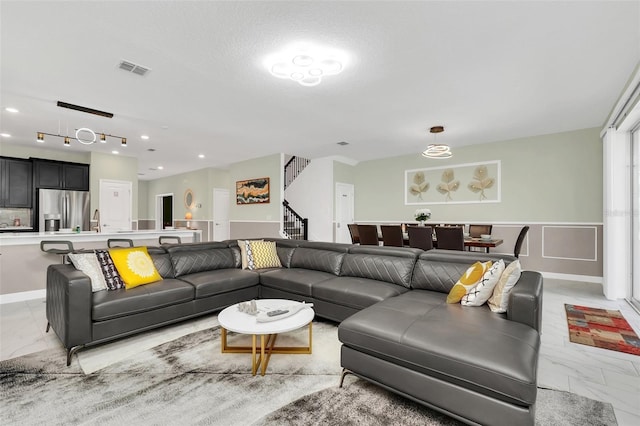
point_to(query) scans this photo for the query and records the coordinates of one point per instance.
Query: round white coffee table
(231, 319)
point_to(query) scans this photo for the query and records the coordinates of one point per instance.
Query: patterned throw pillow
(483, 291)
(467, 281)
(134, 266)
(500, 300)
(246, 254)
(111, 275)
(88, 263)
(264, 255)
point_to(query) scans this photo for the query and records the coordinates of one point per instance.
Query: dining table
(468, 242)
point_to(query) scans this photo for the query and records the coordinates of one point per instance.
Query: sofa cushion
(392, 265)
(120, 303)
(326, 257)
(499, 300)
(198, 257)
(470, 347)
(209, 283)
(467, 281)
(355, 292)
(483, 291)
(439, 270)
(162, 261)
(294, 280)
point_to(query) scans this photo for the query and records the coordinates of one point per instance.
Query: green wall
(556, 178)
(40, 151)
(113, 167)
(270, 167)
(343, 173)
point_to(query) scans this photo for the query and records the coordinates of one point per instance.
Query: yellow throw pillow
(264, 254)
(134, 266)
(468, 281)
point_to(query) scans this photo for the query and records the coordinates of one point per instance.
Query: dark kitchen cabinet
(61, 175)
(16, 189)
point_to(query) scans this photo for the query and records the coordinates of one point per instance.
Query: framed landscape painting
(252, 191)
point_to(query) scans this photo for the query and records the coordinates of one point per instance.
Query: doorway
(344, 211)
(221, 230)
(115, 205)
(164, 211)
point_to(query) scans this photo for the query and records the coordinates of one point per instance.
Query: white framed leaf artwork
(454, 184)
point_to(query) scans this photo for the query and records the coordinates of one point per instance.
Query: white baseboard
(572, 277)
(22, 296)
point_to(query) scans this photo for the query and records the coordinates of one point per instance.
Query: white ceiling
(487, 71)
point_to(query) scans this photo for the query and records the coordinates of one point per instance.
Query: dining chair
(476, 230)
(353, 230)
(450, 237)
(519, 241)
(420, 237)
(368, 235)
(392, 235)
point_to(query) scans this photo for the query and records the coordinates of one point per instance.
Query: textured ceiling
(487, 71)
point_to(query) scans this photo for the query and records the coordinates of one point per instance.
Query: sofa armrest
(525, 300)
(69, 300)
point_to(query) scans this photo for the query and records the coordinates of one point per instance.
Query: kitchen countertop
(24, 238)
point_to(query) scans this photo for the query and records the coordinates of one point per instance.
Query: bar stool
(53, 247)
(169, 239)
(119, 242)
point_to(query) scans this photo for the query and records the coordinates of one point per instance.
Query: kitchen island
(23, 266)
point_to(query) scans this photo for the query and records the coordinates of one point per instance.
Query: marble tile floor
(596, 373)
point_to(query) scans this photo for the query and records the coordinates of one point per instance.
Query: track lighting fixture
(84, 135)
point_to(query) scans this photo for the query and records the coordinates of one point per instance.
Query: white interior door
(220, 214)
(115, 205)
(344, 211)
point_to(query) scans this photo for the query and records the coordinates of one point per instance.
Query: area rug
(602, 328)
(189, 381)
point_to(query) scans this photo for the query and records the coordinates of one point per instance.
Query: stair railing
(293, 168)
(295, 226)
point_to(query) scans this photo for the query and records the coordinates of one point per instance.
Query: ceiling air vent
(343, 143)
(134, 68)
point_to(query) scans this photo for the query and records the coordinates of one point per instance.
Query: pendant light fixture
(437, 150)
(83, 135)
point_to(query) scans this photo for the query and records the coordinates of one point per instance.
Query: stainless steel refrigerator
(73, 208)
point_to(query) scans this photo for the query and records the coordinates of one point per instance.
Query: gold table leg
(262, 360)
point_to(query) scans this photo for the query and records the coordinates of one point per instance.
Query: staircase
(294, 226)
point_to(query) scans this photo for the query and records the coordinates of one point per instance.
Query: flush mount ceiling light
(306, 64)
(437, 150)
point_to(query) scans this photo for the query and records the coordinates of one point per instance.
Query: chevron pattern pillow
(264, 255)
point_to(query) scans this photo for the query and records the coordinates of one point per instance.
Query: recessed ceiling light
(115, 152)
(160, 167)
(201, 156)
(10, 109)
(145, 137)
(5, 135)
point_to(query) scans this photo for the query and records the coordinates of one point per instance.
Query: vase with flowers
(421, 215)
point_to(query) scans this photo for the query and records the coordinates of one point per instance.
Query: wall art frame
(253, 191)
(468, 183)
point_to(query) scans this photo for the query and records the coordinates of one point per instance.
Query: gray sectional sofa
(395, 327)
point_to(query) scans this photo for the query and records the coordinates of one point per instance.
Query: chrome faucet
(96, 216)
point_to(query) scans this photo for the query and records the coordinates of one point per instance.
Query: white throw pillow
(483, 291)
(88, 263)
(500, 300)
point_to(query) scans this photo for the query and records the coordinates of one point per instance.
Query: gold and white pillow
(264, 255)
(468, 281)
(135, 266)
(499, 301)
(484, 290)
